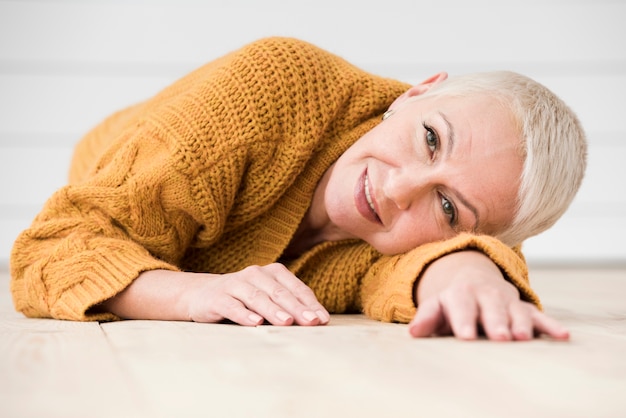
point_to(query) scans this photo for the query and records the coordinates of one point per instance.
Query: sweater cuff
(392, 282)
(102, 278)
(511, 263)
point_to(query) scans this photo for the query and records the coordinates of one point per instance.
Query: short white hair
(553, 145)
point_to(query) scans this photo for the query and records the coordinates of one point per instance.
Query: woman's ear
(420, 88)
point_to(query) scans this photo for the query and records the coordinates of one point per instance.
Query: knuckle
(253, 270)
(277, 267)
(302, 291)
(274, 268)
(254, 294)
(279, 292)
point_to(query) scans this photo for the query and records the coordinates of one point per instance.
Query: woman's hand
(253, 294)
(247, 297)
(463, 292)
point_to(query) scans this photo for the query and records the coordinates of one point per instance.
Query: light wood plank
(353, 367)
(359, 367)
(52, 368)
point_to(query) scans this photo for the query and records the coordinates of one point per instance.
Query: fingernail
(521, 334)
(283, 316)
(467, 333)
(563, 333)
(255, 318)
(323, 316)
(503, 332)
(309, 315)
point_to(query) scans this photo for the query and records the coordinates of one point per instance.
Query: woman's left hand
(463, 292)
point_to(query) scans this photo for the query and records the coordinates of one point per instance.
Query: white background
(65, 65)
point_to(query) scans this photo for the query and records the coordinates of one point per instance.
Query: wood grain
(352, 367)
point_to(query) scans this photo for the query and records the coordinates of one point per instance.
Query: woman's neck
(316, 227)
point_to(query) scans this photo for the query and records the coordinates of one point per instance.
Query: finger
(521, 321)
(258, 301)
(494, 316)
(233, 310)
(295, 297)
(460, 307)
(429, 320)
(545, 324)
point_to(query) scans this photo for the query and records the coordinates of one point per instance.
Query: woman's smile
(424, 175)
(364, 199)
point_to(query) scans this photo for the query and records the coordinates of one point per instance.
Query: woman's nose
(403, 186)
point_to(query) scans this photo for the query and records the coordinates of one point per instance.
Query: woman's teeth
(367, 194)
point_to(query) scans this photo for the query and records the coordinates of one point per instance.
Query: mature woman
(280, 183)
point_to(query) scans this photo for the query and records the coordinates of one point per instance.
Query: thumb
(429, 319)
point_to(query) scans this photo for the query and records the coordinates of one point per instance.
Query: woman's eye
(448, 210)
(432, 141)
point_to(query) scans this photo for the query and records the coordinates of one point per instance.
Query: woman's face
(438, 166)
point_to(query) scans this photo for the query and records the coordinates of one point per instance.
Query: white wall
(64, 65)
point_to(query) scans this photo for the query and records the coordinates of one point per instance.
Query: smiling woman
(550, 139)
(415, 185)
(265, 186)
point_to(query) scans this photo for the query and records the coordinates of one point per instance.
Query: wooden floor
(353, 367)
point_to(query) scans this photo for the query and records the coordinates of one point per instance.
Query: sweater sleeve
(387, 288)
(177, 170)
(93, 238)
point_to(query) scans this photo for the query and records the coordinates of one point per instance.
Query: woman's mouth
(365, 202)
(366, 187)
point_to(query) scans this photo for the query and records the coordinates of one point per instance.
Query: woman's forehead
(475, 116)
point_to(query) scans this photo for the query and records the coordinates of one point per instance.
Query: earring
(387, 114)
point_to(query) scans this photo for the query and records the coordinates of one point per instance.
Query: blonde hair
(553, 145)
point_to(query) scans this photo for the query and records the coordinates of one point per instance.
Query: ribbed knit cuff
(389, 296)
(102, 278)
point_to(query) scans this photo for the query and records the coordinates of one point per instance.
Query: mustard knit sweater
(214, 174)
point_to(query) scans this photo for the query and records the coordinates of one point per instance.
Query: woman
(265, 187)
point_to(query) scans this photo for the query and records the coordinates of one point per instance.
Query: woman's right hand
(247, 297)
(255, 294)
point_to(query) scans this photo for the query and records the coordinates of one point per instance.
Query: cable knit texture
(214, 174)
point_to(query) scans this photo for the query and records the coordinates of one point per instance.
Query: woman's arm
(464, 291)
(457, 286)
(247, 297)
(93, 238)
